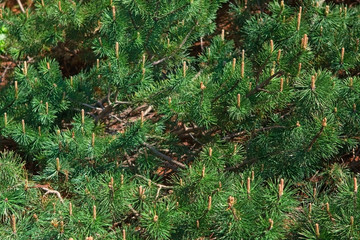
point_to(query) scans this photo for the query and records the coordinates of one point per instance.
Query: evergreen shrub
(255, 136)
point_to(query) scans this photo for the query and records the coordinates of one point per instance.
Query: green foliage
(3, 32)
(151, 141)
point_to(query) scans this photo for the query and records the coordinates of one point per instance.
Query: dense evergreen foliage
(147, 140)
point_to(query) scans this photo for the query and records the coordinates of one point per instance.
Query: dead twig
(4, 73)
(158, 193)
(163, 156)
(146, 112)
(136, 213)
(21, 6)
(49, 191)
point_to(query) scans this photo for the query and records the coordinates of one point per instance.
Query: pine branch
(241, 165)
(178, 48)
(171, 12)
(132, 20)
(261, 86)
(149, 180)
(317, 135)
(163, 156)
(261, 69)
(136, 213)
(9, 105)
(233, 135)
(230, 90)
(108, 110)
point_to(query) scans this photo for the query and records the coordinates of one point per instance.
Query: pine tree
(148, 141)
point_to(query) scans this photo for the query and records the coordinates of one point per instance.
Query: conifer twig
(261, 86)
(54, 192)
(323, 125)
(48, 191)
(4, 73)
(133, 210)
(163, 156)
(149, 180)
(157, 193)
(179, 47)
(237, 134)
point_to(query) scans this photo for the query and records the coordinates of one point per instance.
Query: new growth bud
(94, 212)
(304, 41)
(313, 83)
(317, 230)
(327, 207)
(16, 89)
(124, 234)
(23, 125)
(355, 185)
(114, 12)
(13, 223)
(248, 186)
(271, 223)
(299, 19)
(184, 68)
(117, 50)
(327, 10)
(70, 208)
(324, 122)
(5, 119)
(278, 56)
(209, 203)
(58, 164)
(280, 190)
(47, 107)
(82, 116)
